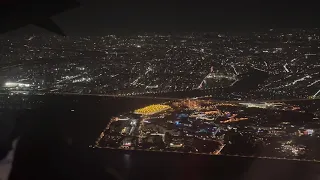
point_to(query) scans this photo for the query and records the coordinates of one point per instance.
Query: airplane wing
(50, 25)
(16, 14)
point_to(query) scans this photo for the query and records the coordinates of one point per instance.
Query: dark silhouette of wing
(49, 25)
(16, 14)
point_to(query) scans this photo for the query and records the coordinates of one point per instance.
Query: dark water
(55, 146)
(248, 82)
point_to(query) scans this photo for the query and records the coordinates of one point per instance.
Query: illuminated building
(152, 109)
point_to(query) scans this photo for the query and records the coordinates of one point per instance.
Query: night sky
(99, 16)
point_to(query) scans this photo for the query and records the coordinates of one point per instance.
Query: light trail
(234, 69)
(297, 80)
(316, 94)
(218, 152)
(265, 63)
(148, 70)
(313, 83)
(234, 82)
(285, 67)
(301, 79)
(135, 81)
(259, 69)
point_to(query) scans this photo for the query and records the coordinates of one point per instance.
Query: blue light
(182, 115)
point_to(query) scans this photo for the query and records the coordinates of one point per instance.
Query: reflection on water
(127, 160)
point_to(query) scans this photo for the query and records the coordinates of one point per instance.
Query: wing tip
(51, 26)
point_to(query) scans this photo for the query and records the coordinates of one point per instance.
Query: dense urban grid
(289, 130)
(268, 65)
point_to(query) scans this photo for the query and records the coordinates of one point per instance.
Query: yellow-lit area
(234, 120)
(226, 104)
(154, 108)
(124, 130)
(213, 112)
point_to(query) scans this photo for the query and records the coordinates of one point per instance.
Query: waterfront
(58, 147)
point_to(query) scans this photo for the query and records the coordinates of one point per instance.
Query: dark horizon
(98, 17)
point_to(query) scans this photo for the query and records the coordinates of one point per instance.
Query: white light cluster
(15, 84)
